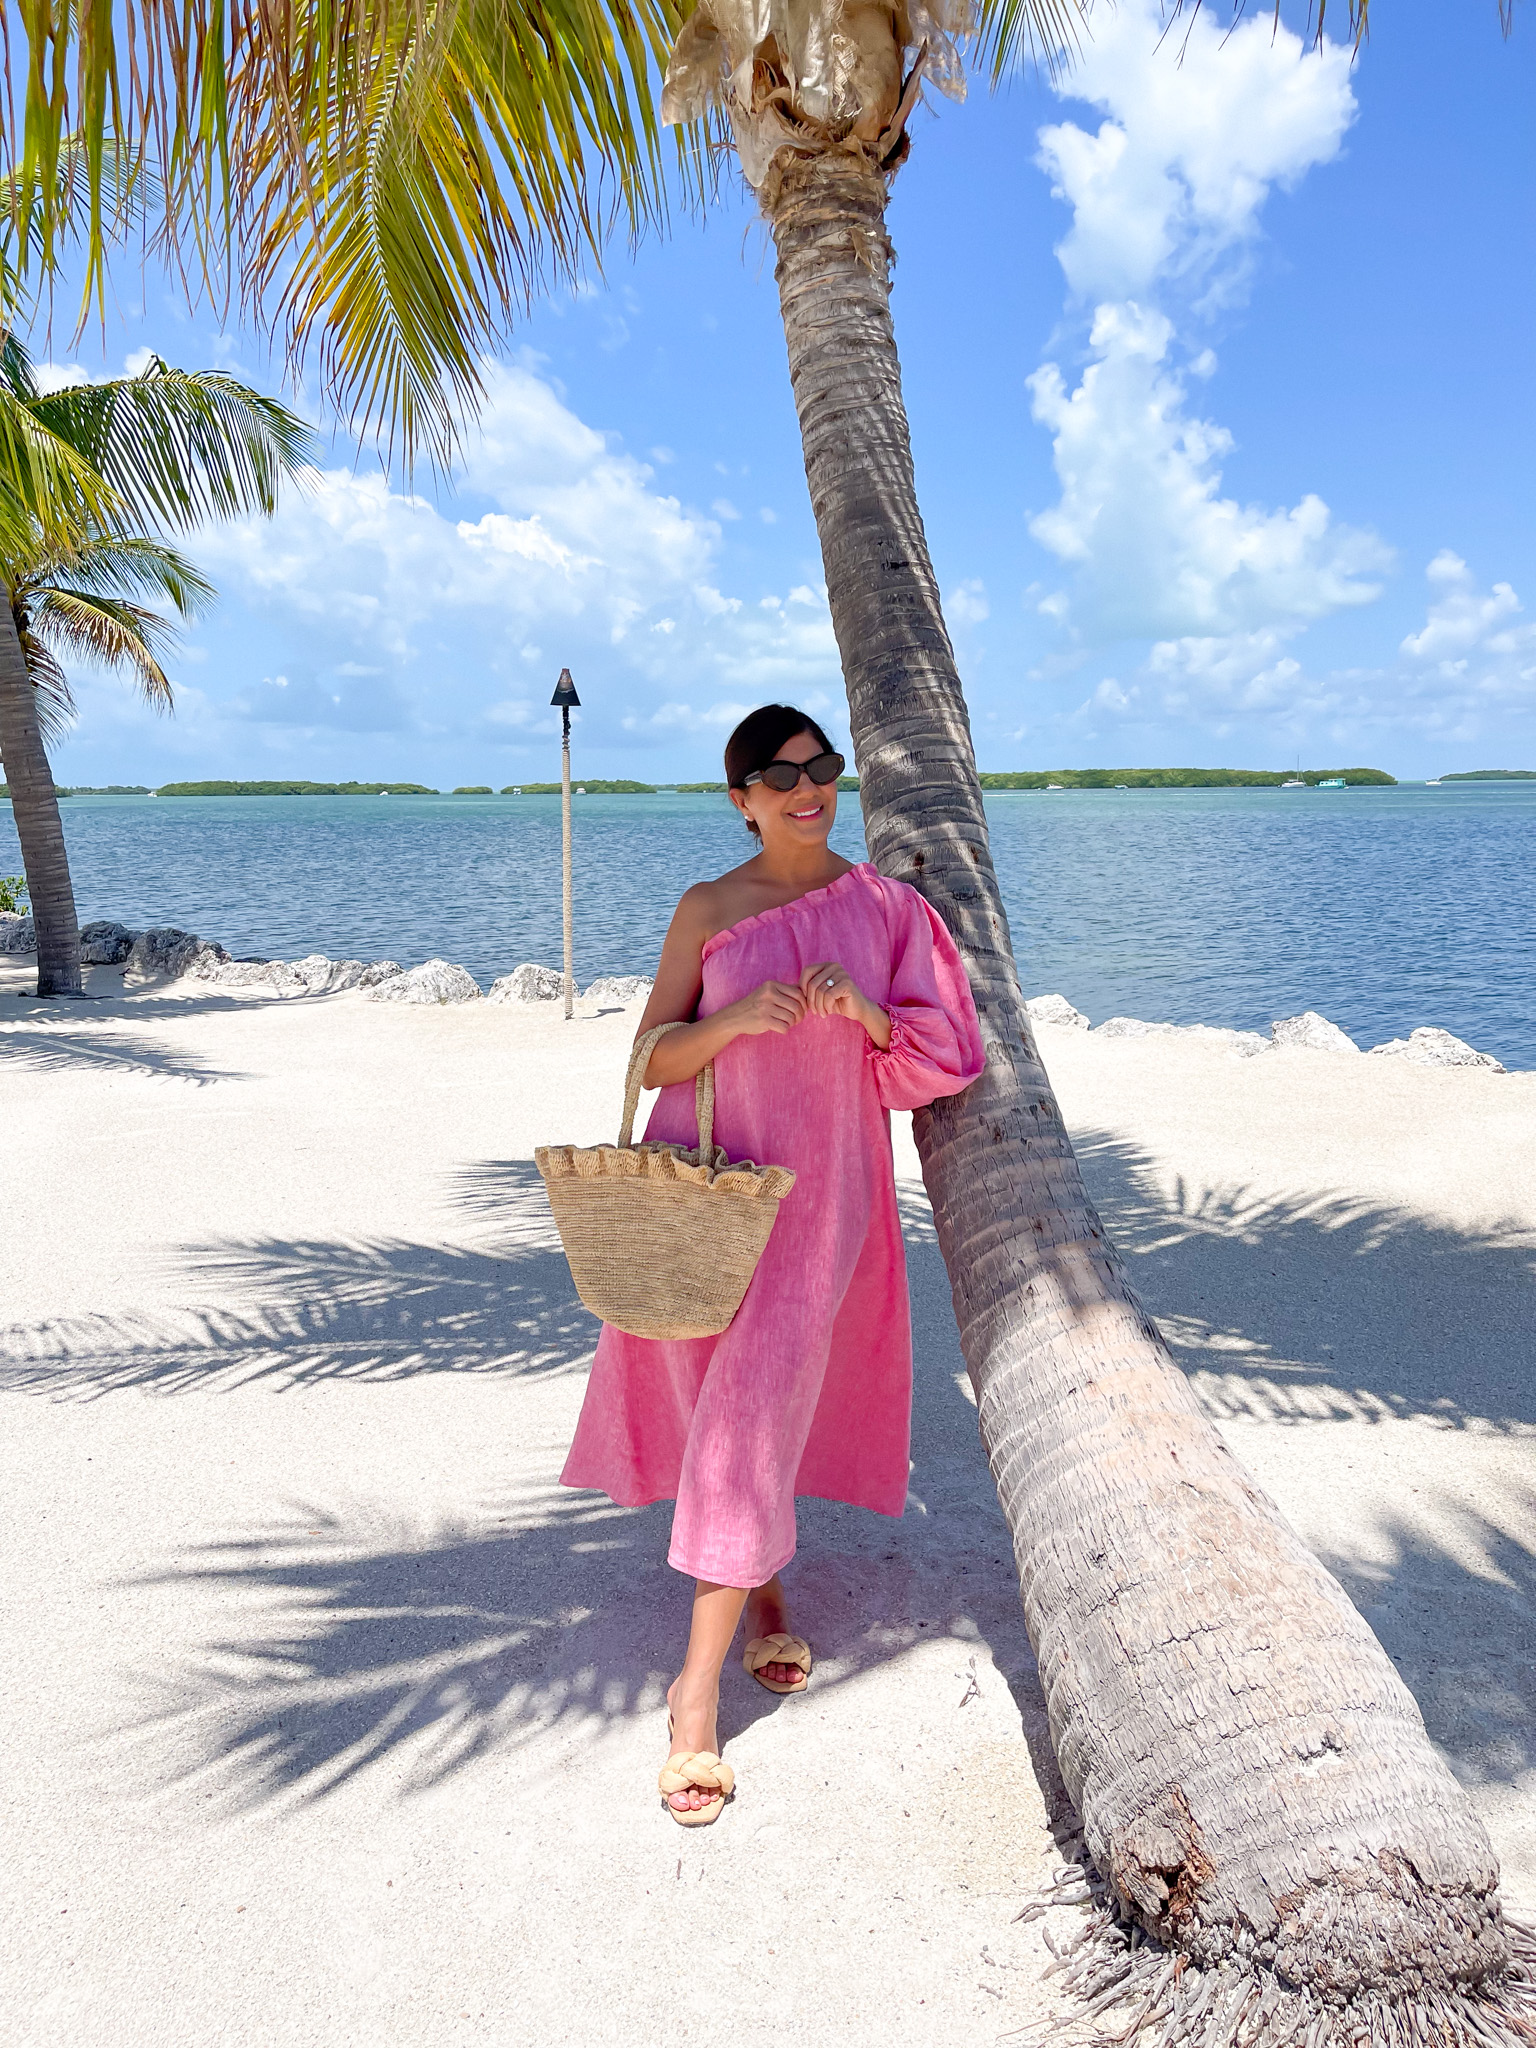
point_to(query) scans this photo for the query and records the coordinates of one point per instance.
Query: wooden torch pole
(565, 851)
(565, 696)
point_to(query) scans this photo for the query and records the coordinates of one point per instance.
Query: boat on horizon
(1433, 782)
(1333, 782)
(1295, 783)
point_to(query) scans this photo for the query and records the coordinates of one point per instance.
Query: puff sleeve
(935, 1046)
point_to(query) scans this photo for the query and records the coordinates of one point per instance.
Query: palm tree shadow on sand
(370, 1310)
(1302, 1312)
(544, 1609)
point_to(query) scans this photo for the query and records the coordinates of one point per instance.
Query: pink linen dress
(810, 1389)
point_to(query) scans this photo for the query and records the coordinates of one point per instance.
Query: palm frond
(1044, 34)
(55, 699)
(50, 490)
(178, 447)
(108, 631)
(108, 565)
(16, 375)
(453, 156)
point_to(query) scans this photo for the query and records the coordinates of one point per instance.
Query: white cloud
(1469, 673)
(966, 604)
(1204, 119)
(1157, 549)
(384, 612)
(1476, 652)
(51, 377)
(1203, 122)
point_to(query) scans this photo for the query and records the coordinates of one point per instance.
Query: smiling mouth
(814, 812)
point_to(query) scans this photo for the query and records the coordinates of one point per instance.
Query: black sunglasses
(785, 775)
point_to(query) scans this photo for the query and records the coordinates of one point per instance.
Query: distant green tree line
(1065, 778)
(592, 788)
(294, 789)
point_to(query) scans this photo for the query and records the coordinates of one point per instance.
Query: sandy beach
(331, 1720)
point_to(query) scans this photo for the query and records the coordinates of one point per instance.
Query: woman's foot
(693, 1708)
(768, 1615)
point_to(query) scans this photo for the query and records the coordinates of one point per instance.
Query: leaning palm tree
(1255, 1783)
(166, 447)
(1254, 1780)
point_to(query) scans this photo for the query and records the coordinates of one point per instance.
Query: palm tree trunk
(35, 805)
(1254, 1781)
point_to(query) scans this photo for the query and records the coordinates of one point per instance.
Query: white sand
(328, 1720)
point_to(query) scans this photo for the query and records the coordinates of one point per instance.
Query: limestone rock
(1243, 1044)
(434, 981)
(314, 975)
(1130, 1027)
(1313, 1032)
(1055, 1009)
(104, 943)
(323, 977)
(1246, 1045)
(619, 988)
(1431, 1047)
(274, 974)
(168, 951)
(17, 932)
(529, 983)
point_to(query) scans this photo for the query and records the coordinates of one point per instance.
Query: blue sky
(1218, 367)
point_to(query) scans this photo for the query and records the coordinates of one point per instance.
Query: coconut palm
(166, 447)
(1254, 1782)
(81, 605)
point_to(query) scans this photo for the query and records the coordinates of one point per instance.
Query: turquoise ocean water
(1382, 908)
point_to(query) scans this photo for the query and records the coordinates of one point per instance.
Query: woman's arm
(775, 1006)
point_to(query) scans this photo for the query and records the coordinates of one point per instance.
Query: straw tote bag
(662, 1242)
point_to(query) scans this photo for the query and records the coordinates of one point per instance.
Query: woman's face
(796, 817)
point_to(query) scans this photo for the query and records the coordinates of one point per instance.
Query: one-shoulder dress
(809, 1391)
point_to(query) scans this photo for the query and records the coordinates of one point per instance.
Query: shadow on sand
(437, 1646)
(376, 1310)
(448, 1643)
(66, 1048)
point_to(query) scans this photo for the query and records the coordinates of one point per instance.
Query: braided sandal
(779, 1649)
(700, 1767)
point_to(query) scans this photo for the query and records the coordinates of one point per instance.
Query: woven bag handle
(703, 1088)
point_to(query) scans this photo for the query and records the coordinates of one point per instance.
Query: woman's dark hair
(758, 739)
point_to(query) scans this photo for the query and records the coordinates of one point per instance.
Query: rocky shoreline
(1428, 1046)
(168, 953)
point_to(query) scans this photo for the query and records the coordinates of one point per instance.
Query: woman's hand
(831, 991)
(775, 1006)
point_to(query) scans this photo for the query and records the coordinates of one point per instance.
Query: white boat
(1294, 783)
(1055, 785)
(1433, 783)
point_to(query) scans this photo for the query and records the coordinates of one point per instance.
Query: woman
(826, 996)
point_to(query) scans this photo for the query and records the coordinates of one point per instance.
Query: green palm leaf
(49, 488)
(106, 565)
(178, 447)
(112, 632)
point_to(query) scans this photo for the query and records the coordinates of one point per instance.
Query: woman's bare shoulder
(712, 905)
